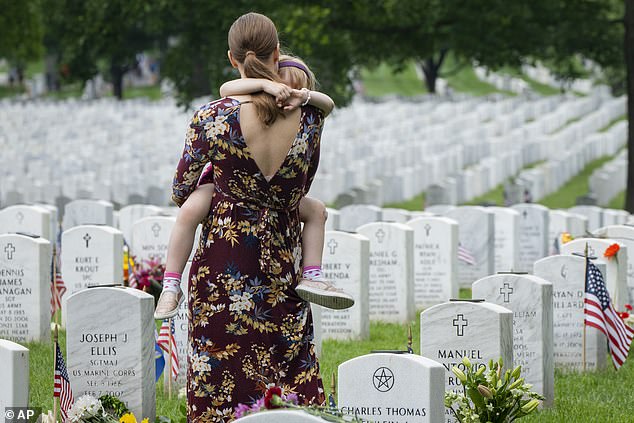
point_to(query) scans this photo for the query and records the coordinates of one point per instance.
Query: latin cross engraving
(380, 235)
(460, 323)
(332, 245)
(87, 238)
(506, 290)
(9, 249)
(156, 228)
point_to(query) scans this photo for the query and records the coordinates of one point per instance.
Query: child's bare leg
(192, 212)
(313, 287)
(313, 214)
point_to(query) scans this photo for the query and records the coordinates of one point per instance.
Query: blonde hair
(252, 39)
(298, 77)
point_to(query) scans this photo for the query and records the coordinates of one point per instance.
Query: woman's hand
(281, 92)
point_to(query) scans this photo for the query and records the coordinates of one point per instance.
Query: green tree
(196, 58)
(21, 32)
(108, 34)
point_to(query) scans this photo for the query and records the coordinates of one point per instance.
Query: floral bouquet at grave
(149, 275)
(106, 409)
(490, 396)
(275, 398)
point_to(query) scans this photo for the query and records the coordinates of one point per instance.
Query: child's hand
(295, 99)
(280, 91)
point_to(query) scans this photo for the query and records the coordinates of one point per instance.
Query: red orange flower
(612, 250)
(273, 397)
(628, 307)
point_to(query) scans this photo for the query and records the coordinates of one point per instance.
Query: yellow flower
(128, 418)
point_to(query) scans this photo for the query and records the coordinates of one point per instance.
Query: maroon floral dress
(247, 326)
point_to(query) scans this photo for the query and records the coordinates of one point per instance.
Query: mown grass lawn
(604, 396)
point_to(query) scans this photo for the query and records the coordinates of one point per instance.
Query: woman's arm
(253, 85)
(195, 156)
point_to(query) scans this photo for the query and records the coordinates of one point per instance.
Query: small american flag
(600, 314)
(62, 384)
(166, 336)
(465, 256)
(58, 288)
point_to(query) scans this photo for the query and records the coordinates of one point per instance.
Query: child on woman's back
(313, 287)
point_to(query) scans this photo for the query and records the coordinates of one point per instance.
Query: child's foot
(168, 304)
(324, 293)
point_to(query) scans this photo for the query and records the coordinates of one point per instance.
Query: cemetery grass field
(604, 396)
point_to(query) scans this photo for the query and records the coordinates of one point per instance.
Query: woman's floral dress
(247, 326)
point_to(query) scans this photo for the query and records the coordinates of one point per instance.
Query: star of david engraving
(87, 238)
(9, 249)
(380, 235)
(383, 379)
(460, 323)
(506, 290)
(332, 245)
(156, 229)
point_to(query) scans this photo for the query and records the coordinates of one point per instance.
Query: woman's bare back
(268, 145)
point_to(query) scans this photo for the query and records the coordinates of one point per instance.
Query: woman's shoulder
(220, 107)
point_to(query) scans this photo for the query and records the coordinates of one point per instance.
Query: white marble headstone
(32, 220)
(396, 215)
(110, 346)
(507, 235)
(480, 331)
(346, 261)
(560, 222)
(567, 274)
(624, 235)
(615, 267)
(25, 288)
(87, 212)
(439, 209)
(332, 223)
(387, 387)
(14, 374)
(476, 243)
(593, 213)
(353, 216)
(530, 298)
(578, 225)
(128, 215)
(391, 271)
(533, 240)
(435, 260)
(150, 237)
(91, 255)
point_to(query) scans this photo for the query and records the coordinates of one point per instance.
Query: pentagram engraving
(383, 379)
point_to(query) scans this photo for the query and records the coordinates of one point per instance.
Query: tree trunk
(431, 69)
(431, 74)
(628, 50)
(116, 74)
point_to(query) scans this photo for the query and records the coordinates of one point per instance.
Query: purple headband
(291, 64)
